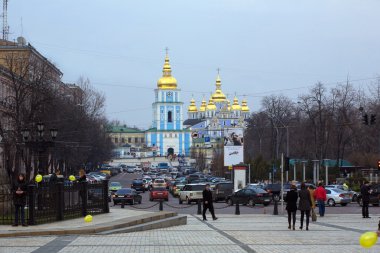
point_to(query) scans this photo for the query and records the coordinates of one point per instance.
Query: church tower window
(170, 119)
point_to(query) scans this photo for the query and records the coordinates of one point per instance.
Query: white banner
(233, 155)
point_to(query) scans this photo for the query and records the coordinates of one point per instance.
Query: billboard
(233, 146)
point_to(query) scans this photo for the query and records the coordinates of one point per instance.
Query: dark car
(222, 191)
(275, 189)
(138, 185)
(250, 196)
(127, 195)
(374, 197)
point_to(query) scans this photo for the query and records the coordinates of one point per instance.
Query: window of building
(116, 140)
(170, 135)
(122, 140)
(129, 140)
(136, 140)
(142, 140)
(170, 116)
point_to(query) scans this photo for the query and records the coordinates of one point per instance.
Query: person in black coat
(365, 190)
(207, 202)
(291, 205)
(304, 205)
(19, 199)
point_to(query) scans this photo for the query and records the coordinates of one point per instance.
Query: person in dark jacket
(365, 190)
(207, 202)
(304, 205)
(19, 199)
(291, 205)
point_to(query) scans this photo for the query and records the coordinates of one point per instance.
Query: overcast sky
(262, 47)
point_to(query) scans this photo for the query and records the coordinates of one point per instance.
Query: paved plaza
(230, 233)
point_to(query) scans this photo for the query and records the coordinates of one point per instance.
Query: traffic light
(373, 119)
(287, 163)
(378, 164)
(365, 119)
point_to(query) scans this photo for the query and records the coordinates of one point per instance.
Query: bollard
(199, 207)
(237, 210)
(275, 209)
(161, 205)
(122, 203)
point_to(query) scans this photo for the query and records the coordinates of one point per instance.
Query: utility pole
(304, 171)
(282, 184)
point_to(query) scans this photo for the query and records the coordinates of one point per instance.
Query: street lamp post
(304, 171)
(327, 171)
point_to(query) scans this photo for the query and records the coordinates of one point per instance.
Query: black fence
(55, 202)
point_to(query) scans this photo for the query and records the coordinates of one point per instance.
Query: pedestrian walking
(304, 205)
(320, 196)
(365, 190)
(19, 199)
(82, 176)
(291, 206)
(207, 203)
(312, 213)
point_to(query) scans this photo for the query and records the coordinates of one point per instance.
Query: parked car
(131, 169)
(127, 195)
(138, 185)
(159, 193)
(191, 193)
(159, 183)
(250, 196)
(138, 169)
(374, 197)
(222, 191)
(354, 195)
(114, 186)
(275, 189)
(337, 196)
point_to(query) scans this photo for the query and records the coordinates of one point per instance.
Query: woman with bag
(304, 205)
(313, 214)
(19, 199)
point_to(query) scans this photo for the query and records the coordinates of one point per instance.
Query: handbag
(313, 215)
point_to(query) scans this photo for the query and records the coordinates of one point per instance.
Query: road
(221, 208)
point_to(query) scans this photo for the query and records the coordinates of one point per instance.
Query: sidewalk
(256, 233)
(101, 222)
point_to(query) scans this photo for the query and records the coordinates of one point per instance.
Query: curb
(94, 229)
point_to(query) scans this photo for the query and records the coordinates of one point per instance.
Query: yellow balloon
(72, 178)
(38, 178)
(88, 218)
(368, 239)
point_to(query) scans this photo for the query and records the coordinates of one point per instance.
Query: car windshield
(259, 190)
(115, 184)
(124, 191)
(199, 187)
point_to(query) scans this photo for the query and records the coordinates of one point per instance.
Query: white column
(327, 175)
(294, 172)
(304, 171)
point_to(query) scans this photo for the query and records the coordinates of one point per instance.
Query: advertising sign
(233, 146)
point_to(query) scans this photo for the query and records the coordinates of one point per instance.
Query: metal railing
(54, 202)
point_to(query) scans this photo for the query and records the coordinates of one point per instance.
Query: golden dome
(235, 106)
(228, 105)
(203, 106)
(211, 105)
(244, 106)
(192, 107)
(218, 96)
(167, 81)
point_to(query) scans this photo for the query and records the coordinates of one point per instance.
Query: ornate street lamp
(25, 133)
(53, 133)
(40, 128)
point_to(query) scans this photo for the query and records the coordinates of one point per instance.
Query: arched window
(170, 119)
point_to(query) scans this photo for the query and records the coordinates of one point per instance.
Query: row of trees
(36, 94)
(324, 123)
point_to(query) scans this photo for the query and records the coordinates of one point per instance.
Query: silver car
(354, 194)
(337, 196)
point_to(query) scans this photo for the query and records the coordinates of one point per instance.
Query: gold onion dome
(228, 105)
(235, 106)
(192, 107)
(167, 81)
(211, 105)
(203, 106)
(244, 106)
(218, 96)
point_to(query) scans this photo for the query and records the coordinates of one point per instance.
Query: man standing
(320, 196)
(365, 191)
(207, 202)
